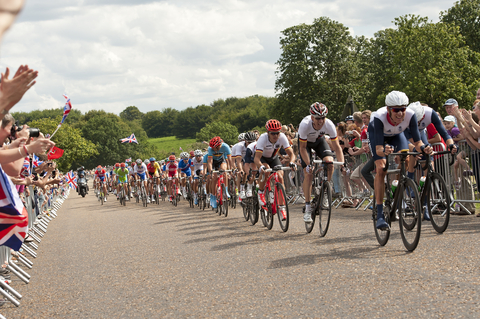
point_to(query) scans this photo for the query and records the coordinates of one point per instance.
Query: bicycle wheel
(382, 235)
(224, 200)
(438, 202)
(410, 212)
(253, 210)
(315, 204)
(246, 211)
(101, 198)
(324, 208)
(279, 197)
(233, 194)
(144, 197)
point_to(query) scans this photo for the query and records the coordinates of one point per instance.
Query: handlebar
(402, 153)
(221, 171)
(334, 163)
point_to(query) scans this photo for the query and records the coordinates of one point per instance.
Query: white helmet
(396, 98)
(184, 155)
(198, 153)
(418, 109)
(241, 137)
(139, 161)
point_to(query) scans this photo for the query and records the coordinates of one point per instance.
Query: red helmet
(133, 164)
(117, 165)
(215, 142)
(273, 125)
(122, 165)
(192, 153)
(171, 157)
(318, 109)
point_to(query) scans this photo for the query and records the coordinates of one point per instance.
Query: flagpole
(55, 131)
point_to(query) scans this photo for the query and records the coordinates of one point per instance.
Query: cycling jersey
(268, 149)
(197, 165)
(122, 174)
(152, 169)
(222, 153)
(239, 150)
(250, 153)
(184, 167)
(430, 117)
(101, 174)
(171, 167)
(306, 132)
(131, 171)
(140, 169)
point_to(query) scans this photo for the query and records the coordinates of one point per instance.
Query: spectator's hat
(450, 102)
(449, 118)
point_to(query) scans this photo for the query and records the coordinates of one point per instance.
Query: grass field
(170, 144)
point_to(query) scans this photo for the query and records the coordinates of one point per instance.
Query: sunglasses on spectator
(274, 133)
(397, 109)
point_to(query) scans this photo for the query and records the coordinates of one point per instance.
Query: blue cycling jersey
(224, 151)
(185, 166)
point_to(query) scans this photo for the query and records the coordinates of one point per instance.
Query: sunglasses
(319, 117)
(397, 109)
(274, 133)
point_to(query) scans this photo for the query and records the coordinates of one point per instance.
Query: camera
(34, 132)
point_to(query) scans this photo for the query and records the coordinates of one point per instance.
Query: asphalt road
(177, 262)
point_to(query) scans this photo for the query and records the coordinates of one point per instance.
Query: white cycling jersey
(140, 170)
(197, 165)
(388, 128)
(239, 149)
(306, 132)
(269, 149)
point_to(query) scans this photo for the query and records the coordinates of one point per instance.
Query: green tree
(226, 131)
(131, 113)
(428, 61)
(189, 121)
(316, 64)
(466, 15)
(77, 149)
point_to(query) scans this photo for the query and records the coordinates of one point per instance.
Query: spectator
(450, 105)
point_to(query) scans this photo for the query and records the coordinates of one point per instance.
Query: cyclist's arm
(230, 162)
(209, 163)
(337, 149)
(291, 154)
(258, 156)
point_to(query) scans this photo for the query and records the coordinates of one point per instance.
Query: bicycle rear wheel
(315, 204)
(324, 208)
(438, 202)
(246, 211)
(224, 200)
(410, 212)
(280, 196)
(253, 210)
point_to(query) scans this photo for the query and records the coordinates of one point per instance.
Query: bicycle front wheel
(438, 202)
(324, 208)
(382, 235)
(283, 217)
(410, 212)
(224, 200)
(253, 210)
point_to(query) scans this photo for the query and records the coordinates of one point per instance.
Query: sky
(110, 54)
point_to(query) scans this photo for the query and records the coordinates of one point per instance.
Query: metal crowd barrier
(16, 263)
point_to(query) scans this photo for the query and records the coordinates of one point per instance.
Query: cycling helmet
(250, 137)
(396, 98)
(122, 165)
(318, 109)
(418, 109)
(139, 161)
(349, 118)
(117, 165)
(171, 158)
(152, 159)
(99, 167)
(192, 153)
(215, 142)
(184, 155)
(273, 125)
(241, 137)
(133, 164)
(198, 153)
(162, 162)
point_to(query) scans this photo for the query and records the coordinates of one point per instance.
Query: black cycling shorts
(321, 148)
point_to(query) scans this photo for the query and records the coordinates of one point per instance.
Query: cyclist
(192, 155)
(171, 168)
(219, 157)
(268, 145)
(153, 171)
(140, 170)
(101, 177)
(385, 133)
(197, 163)
(238, 153)
(122, 175)
(248, 159)
(311, 135)
(184, 171)
(131, 171)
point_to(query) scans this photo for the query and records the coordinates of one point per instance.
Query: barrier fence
(42, 209)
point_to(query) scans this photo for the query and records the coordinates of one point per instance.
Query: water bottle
(271, 198)
(394, 186)
(421, 183)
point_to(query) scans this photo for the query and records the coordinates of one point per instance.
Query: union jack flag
(71, 180)
(128, 160)
(130, 139)
(66, 108)
(13, 215)
(36, 162)
(26, 167)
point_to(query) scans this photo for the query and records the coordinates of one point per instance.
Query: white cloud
(154, 54)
